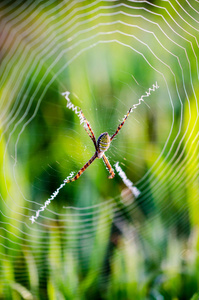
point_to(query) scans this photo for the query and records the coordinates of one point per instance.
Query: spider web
(107, 54)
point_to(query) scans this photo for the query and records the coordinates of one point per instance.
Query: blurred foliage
(145, 248)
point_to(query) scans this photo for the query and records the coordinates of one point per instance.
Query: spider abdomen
(103, 143)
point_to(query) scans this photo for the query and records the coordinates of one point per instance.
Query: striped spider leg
(83, 168)
(88, 127)
(121, 124)
(108, 165)
(90, 132)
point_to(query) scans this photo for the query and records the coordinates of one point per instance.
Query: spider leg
(105, 159)
(83, 168)
(120, 126)
(88, 127)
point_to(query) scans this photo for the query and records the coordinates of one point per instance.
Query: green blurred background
(95, 240)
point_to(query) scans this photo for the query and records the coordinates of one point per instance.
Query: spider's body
(101, 146)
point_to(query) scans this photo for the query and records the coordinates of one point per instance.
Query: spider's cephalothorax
(103, 144)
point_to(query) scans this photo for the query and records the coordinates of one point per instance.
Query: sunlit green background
(96, 240)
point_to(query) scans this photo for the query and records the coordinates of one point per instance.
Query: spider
(101, 146)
